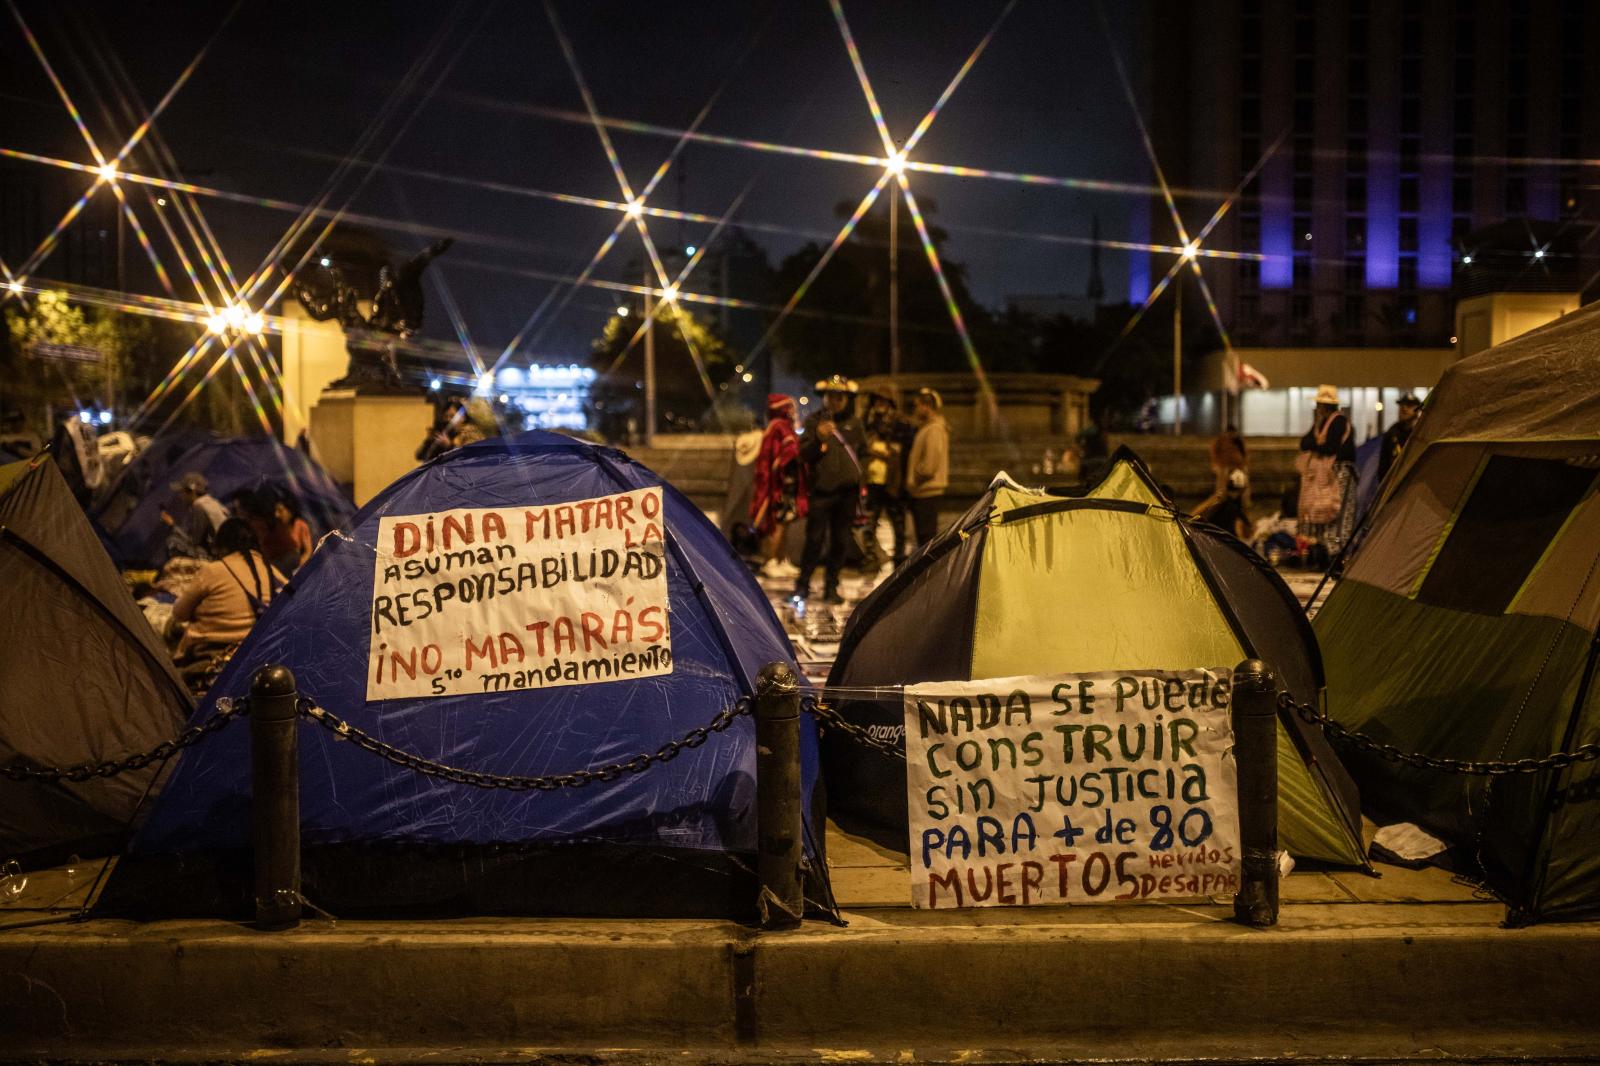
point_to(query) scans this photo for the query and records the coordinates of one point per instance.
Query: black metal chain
(832, 719)
(515, 783)
(226, 711)
(1555, 761)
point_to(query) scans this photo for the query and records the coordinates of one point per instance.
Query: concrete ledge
(1104, 983)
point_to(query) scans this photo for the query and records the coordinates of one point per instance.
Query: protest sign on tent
(676, 838)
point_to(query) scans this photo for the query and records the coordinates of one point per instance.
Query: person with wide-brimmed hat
(779, 495)
(832, 448)
(1327, 465)
(1395, 437)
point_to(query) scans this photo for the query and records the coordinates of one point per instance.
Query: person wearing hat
(833, 448)
(1395, 437)
(928, 466)
(200, 516)
(779, 494)
(1327, 464)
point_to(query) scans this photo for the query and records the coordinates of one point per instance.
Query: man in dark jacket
(834, 449)
(1395, 437)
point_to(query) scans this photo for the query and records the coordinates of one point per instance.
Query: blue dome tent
(473, 614)
(130, 510)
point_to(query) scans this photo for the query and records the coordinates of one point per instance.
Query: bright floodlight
(1538, 253)
(748, 377)
(690, 250)
(1191, 249)
(670, 293)
(15, 287)
(105, 418)
(325, 261)
(161, 201)
(107, 171)
(234, 316)
(254, 323)
(622, 311)
(217, 322)
(895, 164)
(434, 385)
(636, 208)
(1467, 259)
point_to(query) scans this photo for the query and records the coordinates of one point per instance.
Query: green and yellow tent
(1032, 583)
(1466, 623)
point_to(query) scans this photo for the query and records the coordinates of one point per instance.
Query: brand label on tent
(493, 599)
(1081, 788)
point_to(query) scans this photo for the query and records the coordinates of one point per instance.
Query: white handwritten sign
(1075, 789)
(491, 599)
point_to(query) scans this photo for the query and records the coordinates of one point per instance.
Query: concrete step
(1406, 968)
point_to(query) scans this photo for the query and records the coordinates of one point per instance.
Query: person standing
(888, 439)
(779, 495)
(832, 449)
(1395, 437)
(928, 466)
(1327, 464)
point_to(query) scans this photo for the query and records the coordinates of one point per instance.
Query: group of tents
(1465, 626)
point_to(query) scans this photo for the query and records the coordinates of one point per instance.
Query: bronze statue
(328, 293)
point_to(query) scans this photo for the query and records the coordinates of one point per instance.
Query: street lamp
(635, 208)
(107, 172)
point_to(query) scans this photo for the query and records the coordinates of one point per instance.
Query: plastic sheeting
(131, 510)
(722, 633)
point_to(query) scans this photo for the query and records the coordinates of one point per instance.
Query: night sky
(288, 89)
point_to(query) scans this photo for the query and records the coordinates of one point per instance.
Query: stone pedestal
(365, 442)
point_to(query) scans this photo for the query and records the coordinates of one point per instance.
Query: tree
(842, 325)
(683, 370)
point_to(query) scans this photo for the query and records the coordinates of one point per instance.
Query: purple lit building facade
(1406, 125)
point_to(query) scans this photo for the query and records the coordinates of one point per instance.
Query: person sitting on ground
(221, 604)
(286, 541)
(1228, 453)
(1230, 513)
(200, 517)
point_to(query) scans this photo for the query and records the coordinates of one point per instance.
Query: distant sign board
(1082, 788)
(492, 599)
(67, 353)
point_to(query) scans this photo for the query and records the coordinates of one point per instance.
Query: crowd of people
(844, 473)
(1317, 517)
(226, 561)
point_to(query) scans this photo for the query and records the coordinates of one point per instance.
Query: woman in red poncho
(779, 497)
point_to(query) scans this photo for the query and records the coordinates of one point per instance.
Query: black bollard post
(1255, 753)
(275, 797)
(778, 834)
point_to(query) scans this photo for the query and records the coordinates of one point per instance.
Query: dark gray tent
(83, 677)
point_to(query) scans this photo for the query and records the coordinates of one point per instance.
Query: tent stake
(778, 831)
(275, 797)
(1255, 752)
